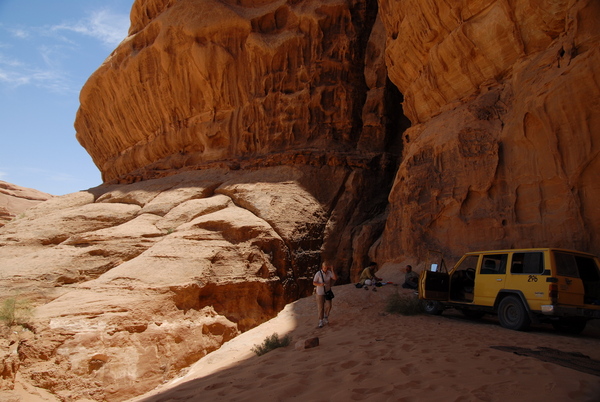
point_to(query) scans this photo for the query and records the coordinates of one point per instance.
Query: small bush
(270, 343)
(404, 305)
(15, 312)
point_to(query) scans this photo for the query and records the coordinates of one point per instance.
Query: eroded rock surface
(133, 283)
(502, 98)
(14, 200)
(506, 149)
(200, 81)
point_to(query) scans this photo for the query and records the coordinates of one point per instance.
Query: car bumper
(563, 311)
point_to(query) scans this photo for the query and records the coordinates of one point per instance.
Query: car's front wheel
(512, 314)
(433, 307)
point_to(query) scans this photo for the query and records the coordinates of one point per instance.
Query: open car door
(434, 285)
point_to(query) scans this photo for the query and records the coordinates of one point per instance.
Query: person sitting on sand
(411, 279)
(367, 277)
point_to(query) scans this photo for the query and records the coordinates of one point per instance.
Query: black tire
(473, 314)
(432, 307)
(572, 326)
(512, 314)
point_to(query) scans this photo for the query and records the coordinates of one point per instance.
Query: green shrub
(270, 343)
(15, 312)
(404, 305)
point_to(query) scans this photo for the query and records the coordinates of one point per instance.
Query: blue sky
(48, 49)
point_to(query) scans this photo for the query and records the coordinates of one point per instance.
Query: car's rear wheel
(512, 314)
(433, 307)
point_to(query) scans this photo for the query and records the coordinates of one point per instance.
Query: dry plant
(270, 343)
(404, 305)
(15, 312)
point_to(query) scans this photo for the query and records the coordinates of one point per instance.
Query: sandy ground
(367, 354)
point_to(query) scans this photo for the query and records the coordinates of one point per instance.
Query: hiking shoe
(325, 321)
(320, 324)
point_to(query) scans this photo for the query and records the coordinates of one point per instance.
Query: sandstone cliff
(504, 151)
(243, 142)
(134, 282)
(502, 98)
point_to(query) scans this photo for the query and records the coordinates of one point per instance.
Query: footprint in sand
(215, 386)
(276, 376)
(409, 369)
(407, 347)
(348, 364)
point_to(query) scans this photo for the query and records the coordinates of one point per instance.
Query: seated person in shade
(411, 279)
(367, 277)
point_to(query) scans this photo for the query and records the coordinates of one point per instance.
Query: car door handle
(499, 280)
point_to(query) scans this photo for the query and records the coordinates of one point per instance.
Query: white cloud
(9, 62)
(19, 33)
(52, 80)
(55, 44)
(103, 25)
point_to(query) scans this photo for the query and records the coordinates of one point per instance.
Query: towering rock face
(251, 85)
(199, 81)
(504, 150)
(502, 97)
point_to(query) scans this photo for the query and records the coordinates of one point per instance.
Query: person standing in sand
(323, 281)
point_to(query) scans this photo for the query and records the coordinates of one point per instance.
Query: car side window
(527, 263)
(566, 265)
(575, 266)
(494, 264)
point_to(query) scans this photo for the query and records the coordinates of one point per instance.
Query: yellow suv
(520, 286)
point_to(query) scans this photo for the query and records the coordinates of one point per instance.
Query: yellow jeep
(521, 286)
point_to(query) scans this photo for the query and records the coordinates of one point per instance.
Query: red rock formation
(182, 263)
(504, 93)
(505, 152)
(199, 81)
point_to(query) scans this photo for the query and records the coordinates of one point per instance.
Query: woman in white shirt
(323, 281)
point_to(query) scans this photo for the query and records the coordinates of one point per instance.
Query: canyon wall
(504, 148)
(202, 81)
(501, 96)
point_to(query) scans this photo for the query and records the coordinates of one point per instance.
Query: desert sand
(367, 354)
